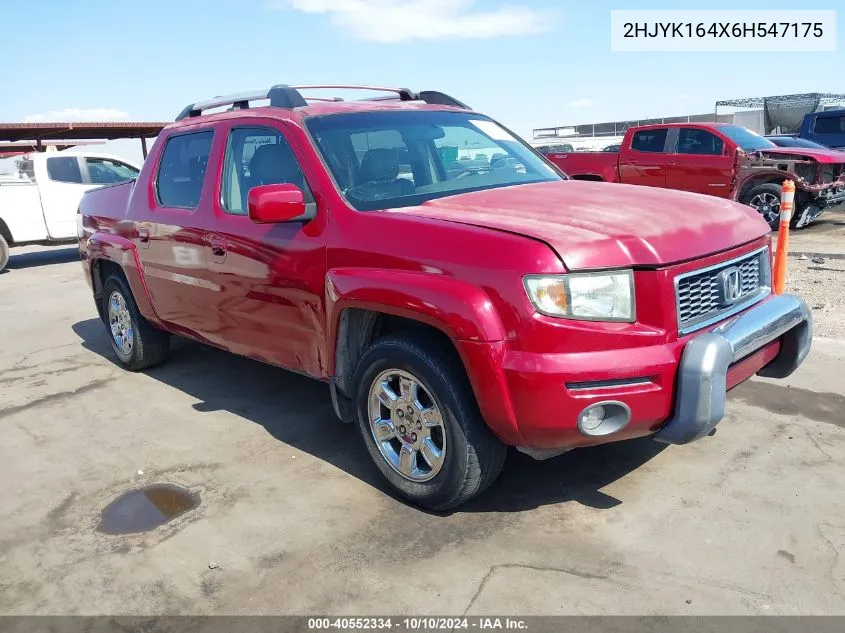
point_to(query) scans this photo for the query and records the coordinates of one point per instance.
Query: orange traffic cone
(782, 250)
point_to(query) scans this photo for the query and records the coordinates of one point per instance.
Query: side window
(649, 140)
(257, 156)
(64, 169)
(104, 171)
(829, 125)
(692, 141)
(182, 170)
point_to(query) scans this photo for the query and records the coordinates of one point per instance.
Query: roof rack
(284, 96)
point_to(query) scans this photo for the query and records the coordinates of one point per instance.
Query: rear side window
(182, 170)
(691, 141)
(64, 169)
(649, 140)
(829, 125)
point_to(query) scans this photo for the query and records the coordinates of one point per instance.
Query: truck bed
(100, 209)
(588, 165)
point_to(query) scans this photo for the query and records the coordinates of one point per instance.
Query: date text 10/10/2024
(416, 624)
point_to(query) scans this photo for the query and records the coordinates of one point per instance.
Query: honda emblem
(731, 284)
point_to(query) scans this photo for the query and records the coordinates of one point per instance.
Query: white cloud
(75, 114)
(581, 103)
(403, 20)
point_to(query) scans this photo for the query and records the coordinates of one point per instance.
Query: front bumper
(702, 375)
(673, 389)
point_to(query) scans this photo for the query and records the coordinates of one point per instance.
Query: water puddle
(147, 508)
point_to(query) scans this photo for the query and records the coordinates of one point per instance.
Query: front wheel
(136, 343)
(765, 199)
(421, 424)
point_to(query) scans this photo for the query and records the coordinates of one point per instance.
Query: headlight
(587, 296)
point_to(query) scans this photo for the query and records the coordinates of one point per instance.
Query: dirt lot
(294, 518)
(816, 271)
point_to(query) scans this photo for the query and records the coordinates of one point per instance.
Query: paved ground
(824, 236)
(816, 271)
(294, 518)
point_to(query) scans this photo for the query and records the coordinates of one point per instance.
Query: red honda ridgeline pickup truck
(718, 159)
(452, 313)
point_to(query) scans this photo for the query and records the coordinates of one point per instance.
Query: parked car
(612, 148)
(795, 141)
(826, 127)
(451, 317)
(39, 205)
(554, 148)
(723, 160)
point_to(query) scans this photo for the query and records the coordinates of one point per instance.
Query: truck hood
(818, 155)
(601, 225)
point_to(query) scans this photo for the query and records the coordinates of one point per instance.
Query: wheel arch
(5, 233)
(747, 185)
(110, 253)
(458, 313)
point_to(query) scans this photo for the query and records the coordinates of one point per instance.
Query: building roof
(15, 132)
(822, 98)
(25, 147)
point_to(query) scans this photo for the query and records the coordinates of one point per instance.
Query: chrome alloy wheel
(120, 322)
(767, 205)
(407, 425)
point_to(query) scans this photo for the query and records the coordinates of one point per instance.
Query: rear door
(170, 229)
(61, 186)
(646, 160)
(700, 163)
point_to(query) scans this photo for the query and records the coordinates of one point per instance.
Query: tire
(4, 253)
(471, 457)
(762, 198)
(143, 345)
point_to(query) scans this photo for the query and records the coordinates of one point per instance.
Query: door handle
(671, 162)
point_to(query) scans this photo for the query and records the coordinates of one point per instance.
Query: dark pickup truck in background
(826, 128)
(717, 159)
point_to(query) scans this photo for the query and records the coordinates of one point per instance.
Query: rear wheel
(4, 253)
(420, 422)
(136, 343)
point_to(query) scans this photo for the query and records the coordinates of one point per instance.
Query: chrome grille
(699, 294)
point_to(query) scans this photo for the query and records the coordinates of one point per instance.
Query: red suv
(458, 293)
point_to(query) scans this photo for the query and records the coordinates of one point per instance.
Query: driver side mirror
(277, 203)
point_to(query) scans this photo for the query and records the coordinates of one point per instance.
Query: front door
(271, 276)
(700, 164)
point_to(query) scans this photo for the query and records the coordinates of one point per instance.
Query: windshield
(745, 138)
(789, 141)
(383, 160)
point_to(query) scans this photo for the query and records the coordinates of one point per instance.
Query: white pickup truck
(38, 203)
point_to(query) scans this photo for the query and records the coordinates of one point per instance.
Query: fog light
(604, 418)
(592, 417)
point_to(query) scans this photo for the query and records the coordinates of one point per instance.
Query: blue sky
(528, 63)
